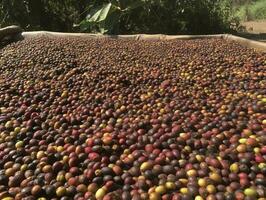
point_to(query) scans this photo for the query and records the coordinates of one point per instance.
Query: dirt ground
(255, 26)
(255, 30)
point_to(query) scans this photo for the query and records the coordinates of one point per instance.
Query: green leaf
(95, 17)
(104, 12)
(104, 19)
(84, 25)
(100, 14)
(103, 30)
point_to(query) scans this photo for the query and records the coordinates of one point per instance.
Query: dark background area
(122, 16)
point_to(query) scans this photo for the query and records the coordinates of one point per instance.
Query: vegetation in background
(251, 10)
(133, 16)
(119, 16)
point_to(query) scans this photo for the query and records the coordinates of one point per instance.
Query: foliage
(40, 14)
(155, 16)
(254, 10)
(119, 16)
(11, 11)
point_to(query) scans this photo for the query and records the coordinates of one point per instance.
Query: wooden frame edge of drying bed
(10, 31)
(15, 30)
(243, 41)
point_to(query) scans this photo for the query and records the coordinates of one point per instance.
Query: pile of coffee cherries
(121, 119)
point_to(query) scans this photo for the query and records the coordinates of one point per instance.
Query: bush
(40, 14)
(170, 17)
(252, 11)
(258, 10)
(119, 16)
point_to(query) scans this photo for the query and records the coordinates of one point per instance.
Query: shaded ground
(255, 30)
(255, 26)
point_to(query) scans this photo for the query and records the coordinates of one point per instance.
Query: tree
(118, 16)
(155, 16)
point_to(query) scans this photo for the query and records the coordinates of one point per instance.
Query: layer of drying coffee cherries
(123, 119)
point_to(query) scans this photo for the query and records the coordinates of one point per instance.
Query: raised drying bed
(150, 118)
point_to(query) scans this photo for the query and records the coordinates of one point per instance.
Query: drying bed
(124, 119)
